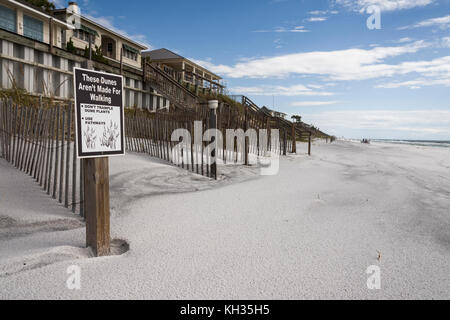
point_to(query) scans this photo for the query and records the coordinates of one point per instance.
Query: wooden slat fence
(40, 142)
(150, 133)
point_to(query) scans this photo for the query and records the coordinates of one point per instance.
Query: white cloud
(322, 12)
(290, 91)
(312, 103)
(408, 121)
(385, 5)
(403, 40)
(298, 29)
(416, 84)
(432, 73)
(220, 69)
(315, 86)
(348, 64)
(316, 19)
(318, 12)
(442, 22)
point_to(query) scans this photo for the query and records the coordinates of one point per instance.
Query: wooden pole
(294, 140)
(30, 136)
(309, 144)
(121, 63)
(51, 35)
(90, 47)
(246, 139)
(69, 123)
(56, 147)
(49, 163)
(74, 175)
(23, 121)
(15, 130)
(96, 205)
(213, 105)
(61, 171)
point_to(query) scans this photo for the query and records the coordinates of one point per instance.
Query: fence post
(74, 173)
(69, 128)
(13, 153)
(29, 139)
(309, 144)
(22, 133)
(246, 139)
(10, 129)
(56, 147)
(213, 105)
(294, 140)
(61, 171)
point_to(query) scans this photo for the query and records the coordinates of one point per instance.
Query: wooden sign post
(99, 123)
(96, 205)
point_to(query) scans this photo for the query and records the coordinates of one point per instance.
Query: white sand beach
(309, 232)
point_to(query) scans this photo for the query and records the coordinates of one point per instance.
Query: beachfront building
(28, 36)
(184, 70)
(39, 49)
(113, 45)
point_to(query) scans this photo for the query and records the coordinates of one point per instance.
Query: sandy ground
(309, 232)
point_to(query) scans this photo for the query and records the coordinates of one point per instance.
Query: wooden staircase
(178, 95)
(246, 102)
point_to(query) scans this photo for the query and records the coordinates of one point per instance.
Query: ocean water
(427, 143)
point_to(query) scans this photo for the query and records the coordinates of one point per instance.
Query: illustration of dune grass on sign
(110, 136)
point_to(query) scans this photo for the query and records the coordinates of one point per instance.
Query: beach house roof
(165, 55)
(162, 54)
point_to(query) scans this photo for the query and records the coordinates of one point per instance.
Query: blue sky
(315, 58)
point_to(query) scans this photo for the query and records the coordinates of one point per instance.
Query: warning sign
(99, 114)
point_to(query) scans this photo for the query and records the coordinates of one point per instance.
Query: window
(130, 53)
(83, 35)
(38, 57)
(18, 51)
(7, 19)
(33, 28)
(110, 47)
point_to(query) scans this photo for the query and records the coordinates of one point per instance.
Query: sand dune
(309, 232)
